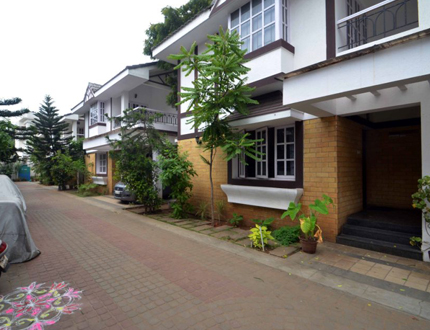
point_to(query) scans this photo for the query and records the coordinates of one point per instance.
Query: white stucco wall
(307, 31)
(152, 97)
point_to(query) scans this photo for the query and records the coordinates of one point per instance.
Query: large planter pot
(308, 246)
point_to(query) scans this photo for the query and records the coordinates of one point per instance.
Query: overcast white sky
(56, 47)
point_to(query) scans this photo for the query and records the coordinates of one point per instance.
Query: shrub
(220, 209)
(202, 210)
(256, 236)
(88, 189)
(416, 241)
(421, 199)
(236, 220)
(287, 235)
(176, 173)
(265, 223)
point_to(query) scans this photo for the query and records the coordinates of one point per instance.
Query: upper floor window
(256, 23)
(97, 113)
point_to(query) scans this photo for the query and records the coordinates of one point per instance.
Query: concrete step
(401, 250)
(356, 220)
(377, 234)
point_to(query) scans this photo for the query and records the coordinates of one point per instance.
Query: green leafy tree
(177, 172)
(133, 154)
(10, 132)
(48, 139)
(7, 143)
(219, 90)
(174, 18)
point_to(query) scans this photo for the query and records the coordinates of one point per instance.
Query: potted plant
(312, 233)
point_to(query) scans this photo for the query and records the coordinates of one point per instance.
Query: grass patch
(287, 235)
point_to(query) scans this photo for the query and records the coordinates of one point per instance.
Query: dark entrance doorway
(391, 168)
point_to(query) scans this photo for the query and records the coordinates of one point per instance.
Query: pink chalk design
(36, 306)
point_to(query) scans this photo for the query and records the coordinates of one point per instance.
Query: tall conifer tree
(48, 138)
(10, 132)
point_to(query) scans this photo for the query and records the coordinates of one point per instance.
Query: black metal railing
(160, 116)
(382, 20)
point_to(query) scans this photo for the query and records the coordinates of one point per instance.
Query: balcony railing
(160, 116)
(382, 20)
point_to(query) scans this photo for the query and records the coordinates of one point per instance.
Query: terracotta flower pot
(308, 246)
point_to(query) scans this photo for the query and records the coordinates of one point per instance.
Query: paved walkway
(136, 275)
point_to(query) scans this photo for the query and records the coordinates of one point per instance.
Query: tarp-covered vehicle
(13, 224)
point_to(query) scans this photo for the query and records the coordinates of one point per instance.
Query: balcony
(381, 20)
(160, 117)
(164, 121)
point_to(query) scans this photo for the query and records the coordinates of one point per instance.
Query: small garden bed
(224, 232)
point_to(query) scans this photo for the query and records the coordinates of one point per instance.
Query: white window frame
(102, 163)
(101, 112)
(94, 117)
(285, 19)
(285, 159)
(259, 147)
(277, 23)
(241, 167)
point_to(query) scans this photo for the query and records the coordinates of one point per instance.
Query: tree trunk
(212, 189)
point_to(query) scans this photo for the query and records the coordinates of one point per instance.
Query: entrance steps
(382, 231)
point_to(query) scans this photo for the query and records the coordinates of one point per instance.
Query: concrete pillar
(124, 102)
(87, 124)
(75, 130)
(425, 156)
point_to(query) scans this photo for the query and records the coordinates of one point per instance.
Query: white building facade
(138, 86)
(344, 92)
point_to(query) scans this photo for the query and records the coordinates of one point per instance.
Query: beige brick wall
(201, 190)
(350, 169)
(332, 165)
(393, 166)
(90, 161)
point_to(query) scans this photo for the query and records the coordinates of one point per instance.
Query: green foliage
(8, 113)
(220, 209)
(133, 155)
(416, 241)
(7, 143)
(6, 169)
(9, 132)
(256, 236)
(174, 18)
(287, 235)
(219, 90)
(202, 210)
(308, 224)
(177, 172)
(47, 139)
(236, 220)
(65, 168)
(88, 189)
(267, 222)
(421, 199)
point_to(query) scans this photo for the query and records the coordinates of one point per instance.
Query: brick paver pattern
(136, 276)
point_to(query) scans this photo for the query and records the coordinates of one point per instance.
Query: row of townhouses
(344, 109)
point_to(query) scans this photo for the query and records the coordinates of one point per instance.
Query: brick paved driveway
(136, 276)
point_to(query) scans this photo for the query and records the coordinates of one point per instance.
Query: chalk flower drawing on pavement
(35, 306)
